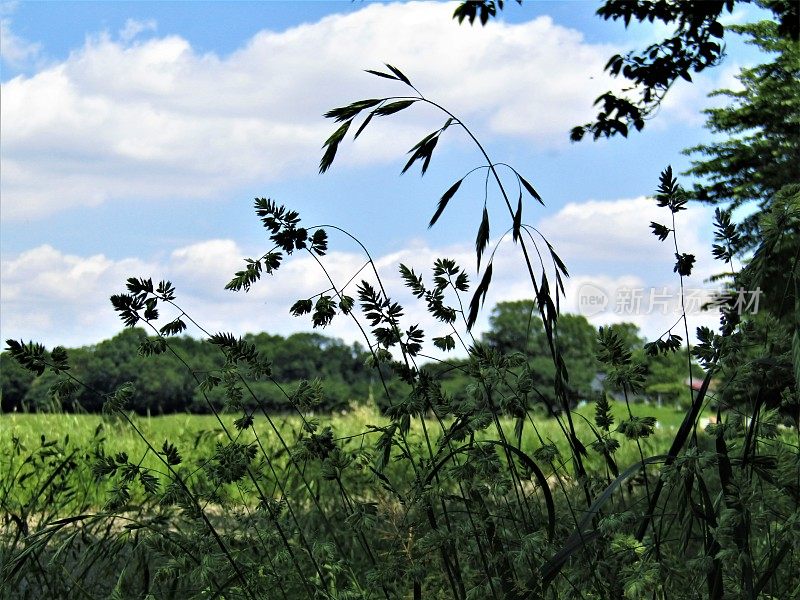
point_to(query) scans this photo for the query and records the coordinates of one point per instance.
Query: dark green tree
(760, 149)
(578, 339)
(754, 163)
(14, 383)
(765, 368)
(167, 382)
(513, 327)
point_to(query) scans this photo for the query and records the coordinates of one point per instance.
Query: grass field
(304, 513)
(85, 436)
(192, 429)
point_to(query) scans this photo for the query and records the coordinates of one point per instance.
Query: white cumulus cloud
(15, 50)
(58, 298)
(134, 27)
(152, 117)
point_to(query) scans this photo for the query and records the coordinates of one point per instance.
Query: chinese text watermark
(594, 299)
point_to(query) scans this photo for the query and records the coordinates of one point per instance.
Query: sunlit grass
(196, 437)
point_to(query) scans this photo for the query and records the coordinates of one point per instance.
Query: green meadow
(88, 436)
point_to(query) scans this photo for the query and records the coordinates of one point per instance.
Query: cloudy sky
(136, 135)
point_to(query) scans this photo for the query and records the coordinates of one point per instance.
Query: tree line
(172, 381)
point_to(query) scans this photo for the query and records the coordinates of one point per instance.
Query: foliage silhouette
(694, 45)
(758, 153)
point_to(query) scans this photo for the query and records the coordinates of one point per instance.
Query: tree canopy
(694, 44)
(164, 384)
(754, 163)
(514, 328)
(758, 151)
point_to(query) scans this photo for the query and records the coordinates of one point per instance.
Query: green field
(85, 436)
(274, 512)
(186, 428)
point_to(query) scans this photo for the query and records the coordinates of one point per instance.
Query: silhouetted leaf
(412, 281)
(174, 327)
(559, 263)
(482, 240)
(243, 422)
(530, 189)
(393, 107)
(462, 282)
(423, 150)
(170, 453)
(479, 296)
(319, 242)
(301, 307)
(351, 110)
(451, 191)
(517, 219)
(445, 343)
(346, 304)
(363, 125)
(660, 231)
(331, 145)
(324, 311)
(381, 74)
(398, 73)
(683, 264)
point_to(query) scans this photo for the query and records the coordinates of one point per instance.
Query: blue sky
(135, 136)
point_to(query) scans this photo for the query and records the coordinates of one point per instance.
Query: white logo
(592, 300)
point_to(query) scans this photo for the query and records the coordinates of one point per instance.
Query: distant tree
(765, 369)
(452, 374)
(514, 328)
(665, 374)
(163, 384)
(578, 339)
(15, 380)
(38, 397)
(310, 355)
(666, 378)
